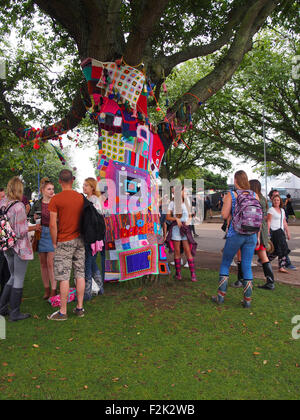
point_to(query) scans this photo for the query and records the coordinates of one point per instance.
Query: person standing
(91, 267)
(289, 265)
(26, 203)
(278, 229)
(261, 250)
(4, 271)
(65, 213)
(40, 213)
(180, 236)
(289, 211)
(18, 256)
(235, 242)
(207, 207)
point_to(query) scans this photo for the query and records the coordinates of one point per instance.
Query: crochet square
(128, 81)
(112, 146)
(138, 263)
(163, 268)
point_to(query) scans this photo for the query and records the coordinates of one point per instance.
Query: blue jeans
(91, 271)
(245, 243)
(103, 258)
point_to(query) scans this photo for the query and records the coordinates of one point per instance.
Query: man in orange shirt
(65, 214)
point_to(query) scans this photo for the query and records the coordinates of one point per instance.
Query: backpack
(92, 226)
(248, 213)
(8, 237)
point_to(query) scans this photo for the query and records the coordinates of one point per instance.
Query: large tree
(261, 102)
(160, 33)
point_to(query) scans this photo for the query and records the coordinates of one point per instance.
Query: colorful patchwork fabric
(128, 81)
(112, 146)
(130, 156)
(138, 263)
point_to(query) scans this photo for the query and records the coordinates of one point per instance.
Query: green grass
(163, 341)
(297, 213)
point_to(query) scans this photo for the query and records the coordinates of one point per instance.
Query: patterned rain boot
(248, 287)
(178, 268)
(222, 291)
(192, 269)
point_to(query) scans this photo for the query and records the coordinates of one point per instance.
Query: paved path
(211, 243)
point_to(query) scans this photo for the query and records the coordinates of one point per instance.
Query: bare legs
(47, 272)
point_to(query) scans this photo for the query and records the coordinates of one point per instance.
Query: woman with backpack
(261, 251)
(92, 270)
(45, 249)
(278, 229)
(237, 238)
(19, 254)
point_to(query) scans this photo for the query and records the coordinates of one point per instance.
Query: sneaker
(173, 263)
(57, 316)
(79, 312)
(186, 265)
(291, 267)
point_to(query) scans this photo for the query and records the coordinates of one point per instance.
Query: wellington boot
(4, 301)
(15, 303)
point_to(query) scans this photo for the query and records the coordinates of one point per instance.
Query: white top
(185, 213)
(97, 203)
(277, 221)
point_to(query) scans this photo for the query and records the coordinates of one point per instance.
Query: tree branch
(142, 30)
(69, 122)
(224, 71)
(71, 19)
(169, 62)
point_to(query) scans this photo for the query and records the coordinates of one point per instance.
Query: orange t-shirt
(69, 207)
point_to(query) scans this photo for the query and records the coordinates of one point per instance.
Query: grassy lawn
(164, 341)
(297, 213)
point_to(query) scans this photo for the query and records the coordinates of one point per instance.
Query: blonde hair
(44, 182)
(15, 189)
(241, 179)
(93, 184)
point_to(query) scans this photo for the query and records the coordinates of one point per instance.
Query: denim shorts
(176, 235)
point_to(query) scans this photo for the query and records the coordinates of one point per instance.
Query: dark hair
(66, 176)
(271, 193)
(1, 189)
(288, 196)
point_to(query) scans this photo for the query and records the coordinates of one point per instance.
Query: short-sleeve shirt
(185, 213)
(277, 221)
(69, 207)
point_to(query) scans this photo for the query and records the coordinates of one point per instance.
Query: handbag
(35, 241)
(55, 300)
(270, 247)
